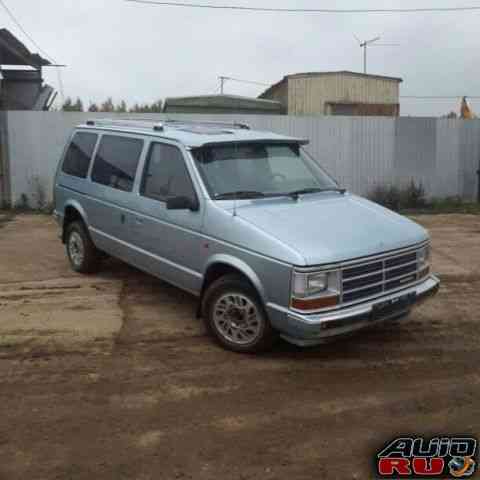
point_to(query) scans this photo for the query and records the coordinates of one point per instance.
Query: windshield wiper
(239, 195)
(304, 191)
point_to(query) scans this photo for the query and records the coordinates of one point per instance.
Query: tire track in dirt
(57, 315)
(155, 398)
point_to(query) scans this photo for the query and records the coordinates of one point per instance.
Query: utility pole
(222, 83)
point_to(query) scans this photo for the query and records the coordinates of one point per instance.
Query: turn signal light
(425, 272)
(306, 304)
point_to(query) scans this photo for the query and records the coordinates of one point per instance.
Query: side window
(79, 153)
(116, 162)
(165, 174)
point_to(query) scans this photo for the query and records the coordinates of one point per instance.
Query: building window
(79, 153)
(166, 175)
(116, 162)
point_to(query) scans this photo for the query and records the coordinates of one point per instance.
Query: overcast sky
(142, 53)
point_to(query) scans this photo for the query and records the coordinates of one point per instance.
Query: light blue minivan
(246, 221)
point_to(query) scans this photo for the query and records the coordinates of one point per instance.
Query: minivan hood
(330, 228)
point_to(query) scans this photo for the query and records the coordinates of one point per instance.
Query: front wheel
(83, 255)
(235, 316)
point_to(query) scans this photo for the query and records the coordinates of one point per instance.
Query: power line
(224, 79)
(252, 82)
(309, 10)
(413, 97)
(439, 97)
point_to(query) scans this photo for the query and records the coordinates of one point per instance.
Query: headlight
(307, 284)
(316, 290)
(424, 255)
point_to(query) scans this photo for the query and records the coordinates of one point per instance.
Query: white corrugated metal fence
(360, 152)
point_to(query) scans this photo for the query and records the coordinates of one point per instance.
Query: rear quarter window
(116, 162)
(79, 153)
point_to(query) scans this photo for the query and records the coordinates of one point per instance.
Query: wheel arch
(220, 265)
(73, 211)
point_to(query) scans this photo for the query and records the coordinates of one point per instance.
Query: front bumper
(306, 330)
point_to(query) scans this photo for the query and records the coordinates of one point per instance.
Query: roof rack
(202, 123)
(127, 122)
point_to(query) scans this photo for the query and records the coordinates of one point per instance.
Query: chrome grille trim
(376, 272)
(360, 261)
(382, 256)
(370, 285)
(388, 283)
(393, 279)
(396, 267)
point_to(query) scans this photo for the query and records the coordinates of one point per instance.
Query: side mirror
(182, 203)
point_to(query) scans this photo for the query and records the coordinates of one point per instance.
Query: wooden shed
(337, 93)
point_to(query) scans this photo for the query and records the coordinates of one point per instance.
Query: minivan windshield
(255, 170)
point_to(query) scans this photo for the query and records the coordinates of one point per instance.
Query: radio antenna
(367, 43)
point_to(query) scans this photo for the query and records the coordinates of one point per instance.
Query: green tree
(68, 105)
(135, 108)
(93, 107)
(452, 114)
(107, 106)
(121, 107)
(156, 107)
(78, 107)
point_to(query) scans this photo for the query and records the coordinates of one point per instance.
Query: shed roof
(323, 74)
(223, 101)
(14, 52)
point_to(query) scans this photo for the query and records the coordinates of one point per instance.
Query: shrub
(23, 203)
(395, 198)
(413, 196)
(387, 196)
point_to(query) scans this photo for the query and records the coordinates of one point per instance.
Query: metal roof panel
(194, 138)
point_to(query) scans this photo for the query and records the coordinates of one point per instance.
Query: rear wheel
(83, 255)
(235, 316)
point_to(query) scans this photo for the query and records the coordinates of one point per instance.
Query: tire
(84, 257)
(227, 303)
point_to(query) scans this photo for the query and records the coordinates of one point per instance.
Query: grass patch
(412, 200)
(445, 206)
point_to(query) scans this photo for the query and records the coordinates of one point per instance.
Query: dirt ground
(112, 377)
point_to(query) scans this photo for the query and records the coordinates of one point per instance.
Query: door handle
(122, 218)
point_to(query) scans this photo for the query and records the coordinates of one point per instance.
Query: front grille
(380, 276)
(365, 292)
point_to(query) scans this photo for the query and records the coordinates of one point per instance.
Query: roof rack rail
(126, 122)
(232, 125)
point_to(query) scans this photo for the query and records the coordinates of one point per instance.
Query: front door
(170, 239)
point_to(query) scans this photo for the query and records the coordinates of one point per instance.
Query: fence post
(478, 182)
(5, 197)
